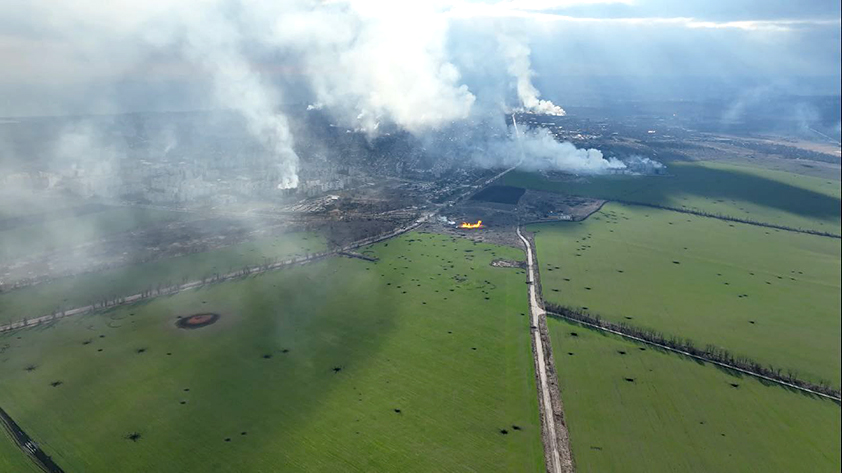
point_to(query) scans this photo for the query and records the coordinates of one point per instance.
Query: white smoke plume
(211, 36)
(366, 63)
(214, 41)
(636, 164)
(543, 152)
(373, 62)
(519, 65)
(82, 151)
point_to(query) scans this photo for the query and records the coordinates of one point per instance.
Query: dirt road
(556, 442)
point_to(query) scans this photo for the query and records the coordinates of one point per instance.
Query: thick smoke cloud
(543, 152)
(373, 62)
(494, 146)
(212, 40)
(365, 62)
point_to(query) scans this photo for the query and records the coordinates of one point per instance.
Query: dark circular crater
(197, 320)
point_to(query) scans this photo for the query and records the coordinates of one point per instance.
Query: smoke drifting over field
(366, 63)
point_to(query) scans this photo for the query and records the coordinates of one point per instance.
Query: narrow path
(556, 439)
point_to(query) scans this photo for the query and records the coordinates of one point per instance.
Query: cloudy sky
(414, 63)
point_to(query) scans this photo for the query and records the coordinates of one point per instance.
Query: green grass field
(431, 330)
(58, 233)
(12, 458)
(741, 191)
(770, 295)
(680, 415)
(81, 290)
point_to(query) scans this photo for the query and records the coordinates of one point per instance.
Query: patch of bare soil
(504, 263)
(539, 206)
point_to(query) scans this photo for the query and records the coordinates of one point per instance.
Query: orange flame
(471, 225)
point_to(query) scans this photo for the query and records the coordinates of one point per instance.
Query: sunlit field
(773, 296)
(632, 408)
(12, 458)
(740, 191)
(420, 361)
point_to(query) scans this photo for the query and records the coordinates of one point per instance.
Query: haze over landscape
(358, 235)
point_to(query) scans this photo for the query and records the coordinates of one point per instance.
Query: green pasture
(12, 458)
(632, 408)
(420, 361)
(771, 295)
(77, 291)
(741, 191)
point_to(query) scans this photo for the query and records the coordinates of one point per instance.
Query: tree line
(728, 218)
(709, 352)
(168, 287)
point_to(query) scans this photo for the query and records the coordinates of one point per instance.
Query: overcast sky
(89, 56)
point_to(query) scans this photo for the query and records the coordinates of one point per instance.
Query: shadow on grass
(709, 183)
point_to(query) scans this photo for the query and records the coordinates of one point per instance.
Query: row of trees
(729, 218)
(710, 352)
(72, 273)
(169, 287)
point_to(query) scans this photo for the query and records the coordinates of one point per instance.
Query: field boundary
(687, 348)
(27, 445)
(728, 218)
